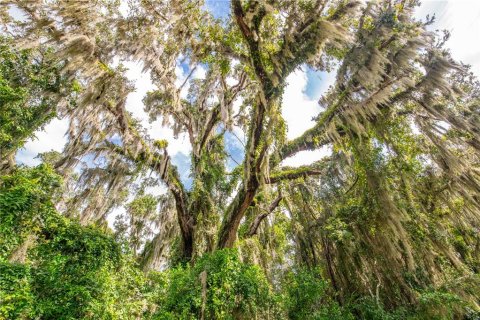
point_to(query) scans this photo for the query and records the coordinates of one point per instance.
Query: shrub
(25, 205)
(72, 271)
(15, 296)
(230, 289)
(308, 297)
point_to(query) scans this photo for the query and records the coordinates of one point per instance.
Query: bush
(308, 296)
(15, 295)
(73, 267)
(230, 289)
(25, 206)
(72, 271)
(432, 304)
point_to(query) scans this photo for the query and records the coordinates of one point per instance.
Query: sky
(461, 18)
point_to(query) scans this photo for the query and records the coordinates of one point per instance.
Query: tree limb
(251, 36)
(288, 173)
(252, 230)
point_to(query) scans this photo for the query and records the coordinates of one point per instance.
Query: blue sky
(219, 8)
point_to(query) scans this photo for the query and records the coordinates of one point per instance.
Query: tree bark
(252, 230)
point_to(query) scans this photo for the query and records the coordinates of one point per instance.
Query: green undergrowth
(54, 268)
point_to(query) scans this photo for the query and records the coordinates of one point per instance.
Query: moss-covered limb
(249, 26)
(255, 154)
(315, 137)
(254, 166)
(234, 213)
(213, 119)
(291, 174)
(310, 140)
(253, 228)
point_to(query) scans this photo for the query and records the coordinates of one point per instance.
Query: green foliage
(142, 206)
(27, 78)
(438, 305)
(432, 304)
(161, 144)
(73, 267)
(142, 211)
(308, 296)
(368, 308)
(232, 290)
(80, 273)
(25, 205)
(15, 293)
(72, 271)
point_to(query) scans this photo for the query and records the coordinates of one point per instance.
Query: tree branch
(288, 173)
(252, 230)
(251, 36)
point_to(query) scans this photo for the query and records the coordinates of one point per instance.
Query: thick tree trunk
(185, 220)
(255, 155)
(236, 211)
(186, 223)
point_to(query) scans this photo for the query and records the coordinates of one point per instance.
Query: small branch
(301, 172)
(239, 140)
(187, 78)
(252, 230)
(251, 37)
(353, 185)
(233, 159)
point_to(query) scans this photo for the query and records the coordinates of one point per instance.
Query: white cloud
(298, 110)
(462, 19)
(52, 138)
(231, 81)
(306, 157)
(143, 84)
(17, 13)
(199, 73)
(124, 8)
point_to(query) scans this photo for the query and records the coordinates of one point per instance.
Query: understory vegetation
(385, 225)
(54, 268)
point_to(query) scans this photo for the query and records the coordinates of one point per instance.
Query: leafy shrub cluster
(54, 268)
(67, 271)
(26, 206)
(218, 286)
(307, 296)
